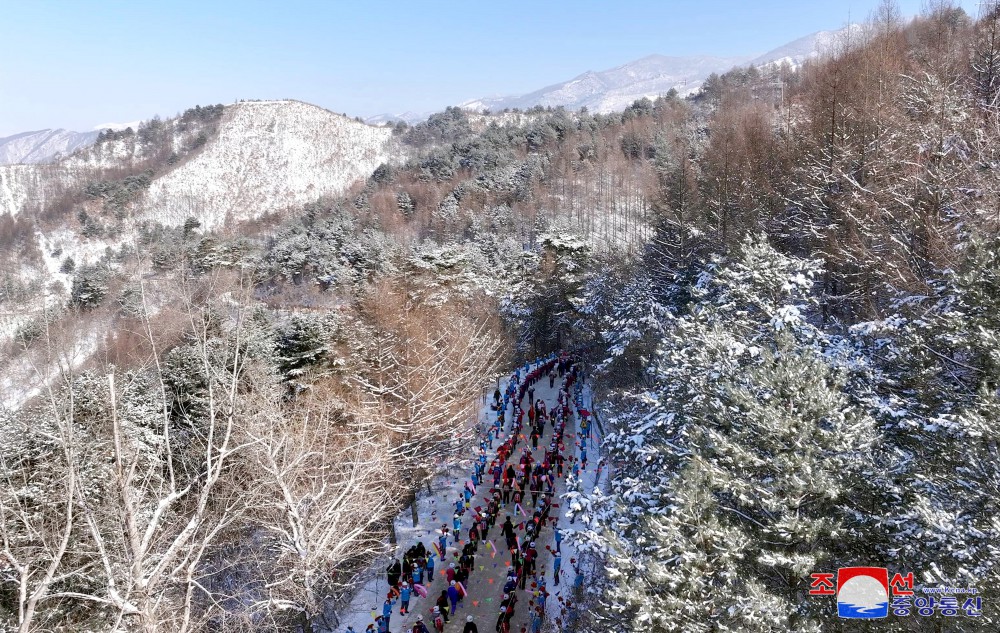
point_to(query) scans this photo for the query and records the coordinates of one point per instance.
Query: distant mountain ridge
(42, 146)
(812, 46)
(406, 117)
(614, 89)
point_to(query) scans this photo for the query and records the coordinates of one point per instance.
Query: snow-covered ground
(55, 246)
(267, 156)
(21, 183)
(29, 374)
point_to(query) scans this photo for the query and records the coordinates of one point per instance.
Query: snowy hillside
(39, 183)
(17, 183)
(268, 156)
(42, 146)
(234, 163)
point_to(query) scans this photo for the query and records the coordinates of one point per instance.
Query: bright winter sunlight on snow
(511, 317)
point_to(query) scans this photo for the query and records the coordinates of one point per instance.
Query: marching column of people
(521, 486)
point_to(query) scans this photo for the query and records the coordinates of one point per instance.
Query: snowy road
(485, 584)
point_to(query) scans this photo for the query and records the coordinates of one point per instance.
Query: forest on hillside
(786, 289)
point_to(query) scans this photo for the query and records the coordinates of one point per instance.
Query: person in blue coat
(453, 597)
(430, 568)
(419, 626)
(387, 610)
(443, 539)
(536, 621)
(510, 584)
(404, 596)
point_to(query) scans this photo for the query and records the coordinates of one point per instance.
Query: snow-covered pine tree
(931, 379)
(301, 343)
(743, 469)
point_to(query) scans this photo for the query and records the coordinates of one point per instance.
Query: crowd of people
(515, 484)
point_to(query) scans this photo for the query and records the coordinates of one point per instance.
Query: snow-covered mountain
(42, 146)
(812, 46)
(614, 89)
(253, 159)
(268, 156)
(408, 117)
(236, 163)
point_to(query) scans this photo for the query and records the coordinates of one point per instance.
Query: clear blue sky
(77, 64)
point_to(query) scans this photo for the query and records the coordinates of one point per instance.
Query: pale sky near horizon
(75, 65)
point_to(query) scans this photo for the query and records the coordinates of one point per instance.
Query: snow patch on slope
(28, 375)
(21, 183)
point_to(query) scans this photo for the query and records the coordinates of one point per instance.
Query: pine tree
(300, 343)
(931, 378)
(90, 286)
(771, 461)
